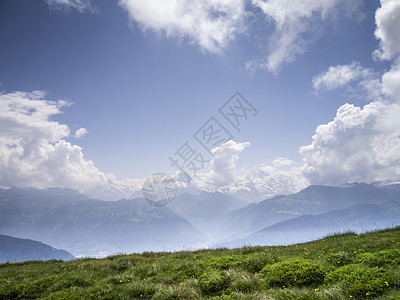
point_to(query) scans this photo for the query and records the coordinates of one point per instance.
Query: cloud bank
(360, 144)
(34, 152)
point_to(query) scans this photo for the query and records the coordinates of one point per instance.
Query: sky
(98, 95)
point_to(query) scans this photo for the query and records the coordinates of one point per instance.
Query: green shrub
(213, 282)
(225, 262)
(390, 257)
(293, 272)
(340, 258)
(358, 281)
(255, 262)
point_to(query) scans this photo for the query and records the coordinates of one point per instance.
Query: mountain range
(68, 220)
(83, 226)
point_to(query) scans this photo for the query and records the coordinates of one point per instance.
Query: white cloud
(387, 19)
(361, 144)
(359, 82)
(391, 82)
(211, 24)
(358, 145)
(80, 5)
(296, 25)
(80, 133)
(33, 151)
(222, 174)
(341, 75)
(283, 176)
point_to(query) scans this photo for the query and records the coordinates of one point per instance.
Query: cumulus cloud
(358, 81)
(282, 176)
(340, 75)
(387, 19)
(211, 24)
(80, 5)
(223, 173)
(33, 150)
(296, 26)
(80, 133)
(360, 144)
(391, 82)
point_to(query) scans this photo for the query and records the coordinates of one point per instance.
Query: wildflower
(316, 289)
(387, 284)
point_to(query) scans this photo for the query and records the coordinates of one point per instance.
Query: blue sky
(142, 87)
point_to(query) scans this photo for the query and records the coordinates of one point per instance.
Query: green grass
(345, 266)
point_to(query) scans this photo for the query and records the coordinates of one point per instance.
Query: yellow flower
(316, 290)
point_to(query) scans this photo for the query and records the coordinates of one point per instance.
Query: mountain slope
(358, 218)
(312, 200)
(18, 250)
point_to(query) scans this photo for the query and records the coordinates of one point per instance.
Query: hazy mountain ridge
(66, 219)
(312, 200)
(85, 226)
(359, 218)
(18, 250)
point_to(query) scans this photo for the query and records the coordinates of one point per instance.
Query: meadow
(343, 266)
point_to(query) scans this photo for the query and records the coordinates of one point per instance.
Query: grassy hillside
(346, 266)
